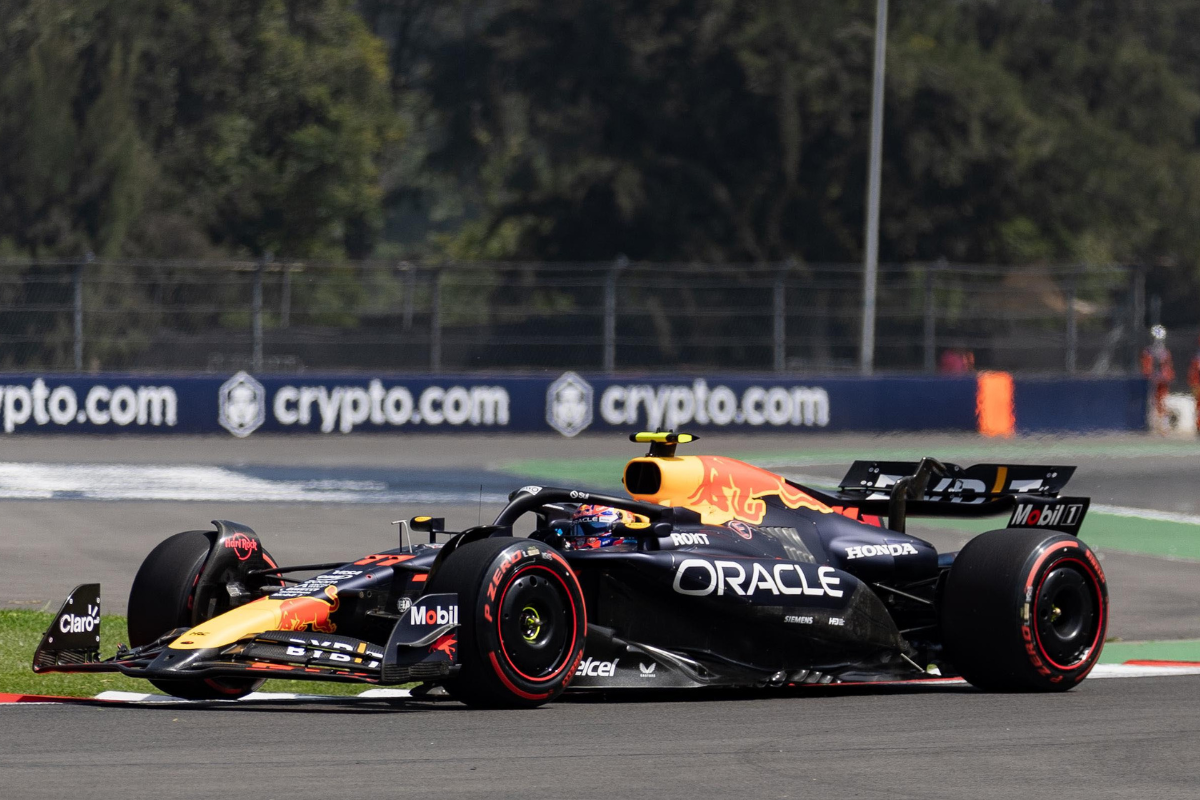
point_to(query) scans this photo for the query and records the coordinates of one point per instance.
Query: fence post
(1137, 325)
(78, 322)
(931, 317)
(1072, 330)
(285, 298)
(256, 358)
(435, 332)
(780, 328)
(610, 313)
(410, 291)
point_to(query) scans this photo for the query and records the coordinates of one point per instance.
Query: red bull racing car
(720, 574)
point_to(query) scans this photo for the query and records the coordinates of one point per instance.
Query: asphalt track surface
(1116, 738)
(1106, 738)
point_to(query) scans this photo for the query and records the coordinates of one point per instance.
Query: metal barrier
(97, 314)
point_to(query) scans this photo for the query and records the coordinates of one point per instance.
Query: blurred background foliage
(178, 128)
(1016, 131)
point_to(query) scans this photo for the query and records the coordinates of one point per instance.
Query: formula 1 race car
(725, 575)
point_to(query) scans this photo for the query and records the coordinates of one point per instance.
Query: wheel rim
(536, 633)
(531, 623)
(1067, 614)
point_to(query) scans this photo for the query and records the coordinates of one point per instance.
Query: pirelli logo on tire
(1060, 514)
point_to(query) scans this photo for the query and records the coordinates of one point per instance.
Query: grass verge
(1120, 534)
(21, 631)
(1120, 652)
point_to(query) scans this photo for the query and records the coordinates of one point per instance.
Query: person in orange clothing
(1194, 381)
(1157, 366)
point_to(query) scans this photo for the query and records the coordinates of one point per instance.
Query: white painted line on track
(1141, 671)
(1147, 513)
(1101, 671)
(369, 694)
(385, 694)
(36, 481)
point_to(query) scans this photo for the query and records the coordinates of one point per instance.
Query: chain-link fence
(284, 317)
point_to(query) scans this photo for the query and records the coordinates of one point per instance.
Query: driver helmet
(593, 526)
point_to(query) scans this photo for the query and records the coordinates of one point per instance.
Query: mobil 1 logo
(1059, 514)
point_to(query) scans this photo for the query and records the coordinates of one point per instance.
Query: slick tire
(1024, 611)
(522, 622)
(162, 599)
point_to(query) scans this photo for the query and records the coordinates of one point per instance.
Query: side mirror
(647, 535)
(656, 530)
(431, 525)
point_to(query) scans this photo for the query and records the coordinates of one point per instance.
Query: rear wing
(952, 482)
(930, 488)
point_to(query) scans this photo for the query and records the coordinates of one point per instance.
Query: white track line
(1141, 671)
(35, 481)
(1100, 671)
(369, 694)
(1148, 513)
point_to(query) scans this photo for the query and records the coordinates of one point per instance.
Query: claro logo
(344, 408)
(71, 623)
(122, 406)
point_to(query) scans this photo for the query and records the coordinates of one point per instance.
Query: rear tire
(522, 622)
(1025, 610)
(162, 599)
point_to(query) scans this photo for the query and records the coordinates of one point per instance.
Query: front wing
(412, 653)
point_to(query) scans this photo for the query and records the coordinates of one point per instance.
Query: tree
(172, 128)
(717, 130)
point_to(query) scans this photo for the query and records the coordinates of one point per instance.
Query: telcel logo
(433, 615)
(595, 668)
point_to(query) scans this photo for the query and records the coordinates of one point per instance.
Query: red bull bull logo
(445, 644)
(304, 613)
(731, 489)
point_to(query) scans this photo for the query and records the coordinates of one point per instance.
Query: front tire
(1025, 610)
(522, 622)
(163, 598)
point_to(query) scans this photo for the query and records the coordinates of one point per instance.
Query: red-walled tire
(522, 622)
(1025, 610)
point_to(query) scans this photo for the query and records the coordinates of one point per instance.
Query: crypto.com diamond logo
(241, 405)
(569, 404)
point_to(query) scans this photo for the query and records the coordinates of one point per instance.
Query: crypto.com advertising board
(568, 403)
